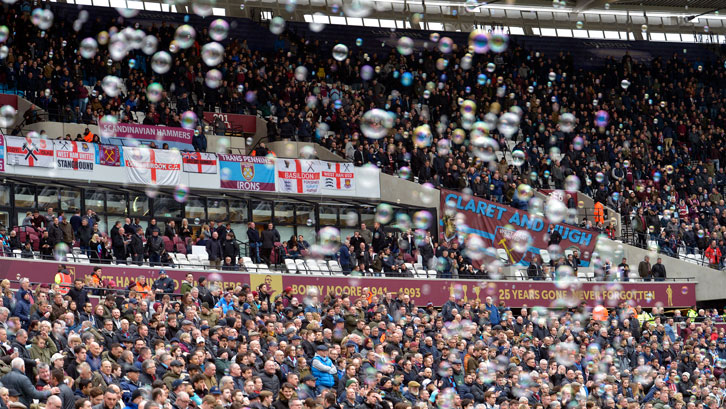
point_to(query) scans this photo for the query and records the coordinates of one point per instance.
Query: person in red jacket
(713, 254)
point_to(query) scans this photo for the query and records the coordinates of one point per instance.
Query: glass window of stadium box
(6, 207)
(94, 200)
(139, 204)
(25, 197)
(348, 221)
(70, 199)
(48, 197)
(238, 210)
(328, 215)
(304, 221)
(367, 216)
(166, 206)
(217, 210)
(261, 212)
(285, 219)
(194, 208)
(116, 204)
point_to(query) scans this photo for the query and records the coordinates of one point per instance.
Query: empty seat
(545, 256)
(312, 266)
(502, 255)
(323, 265)
(301, 267)
(334, 267)
(290, 266)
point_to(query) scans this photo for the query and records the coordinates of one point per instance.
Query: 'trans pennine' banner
(297, 175)
(498, 225)
(251, 173)
(147, 166)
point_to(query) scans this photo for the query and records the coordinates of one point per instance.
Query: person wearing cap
(130, 383)
(176, 367)
(307, 388)
(323, 369)
(162, 285)
(17, 380)
(412, 392)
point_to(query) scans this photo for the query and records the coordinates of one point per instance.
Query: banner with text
(251, 173)
(132, 134)
(233, 122)
(199, 162)
(33, 152)
(75, 155)
(297, 175)
(514, 294)
(504, 227)
(152, 166)
(337, 177)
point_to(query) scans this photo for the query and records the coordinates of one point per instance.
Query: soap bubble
(42, 18)
(7, 116)
(508, 124)
(567, 122)
(366, 72)
(277, 25)
(357, 8)
(405, 46)
(359, 42)
(111, 85)
(479, 41)
(625, 84)
(180, 193)
(599, 177)
(340, 52)
(521, 240)
(189, 120)
(422, 219)
(384, 213)
(498, 41)
(579, 25)
(644, 28)
(376, 123)
(422, 136)
(185, 36)
(218, 29)
(481, 79)
(572, 183)
(301, 73)
(161, 62)
(212, 53)
(404, 172)
(88, 47)
(552, 76)
(518, 158)
(154, 92)
(406, 79)
(149, 44)
(601, 118)
(446, 44)
(491, 67)
(213, 78)
(555, 210)
(435, 37)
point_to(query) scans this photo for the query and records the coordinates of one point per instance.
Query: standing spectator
(323, 369)
(659, 270)
(644, 270)
(713, 255)
(269, 238)
(366, 234)
(214, 251)
(136, 247)
(253, 237)
(154, 247)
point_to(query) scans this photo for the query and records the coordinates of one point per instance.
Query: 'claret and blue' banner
(498, 225)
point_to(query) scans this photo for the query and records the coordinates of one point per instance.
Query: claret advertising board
(515, 294)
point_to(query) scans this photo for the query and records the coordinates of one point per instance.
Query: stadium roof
(689, 21)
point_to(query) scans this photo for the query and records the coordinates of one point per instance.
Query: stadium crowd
(655, 155)
(215, 346)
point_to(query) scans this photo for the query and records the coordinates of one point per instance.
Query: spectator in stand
(270, 236)
(713, 255)
(214, 250)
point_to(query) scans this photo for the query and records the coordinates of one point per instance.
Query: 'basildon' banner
(500, 226)
(514, 294)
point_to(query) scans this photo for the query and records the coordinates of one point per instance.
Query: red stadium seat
(181, 248)
(168, 245)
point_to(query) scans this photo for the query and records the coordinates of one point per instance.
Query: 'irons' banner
(337, 176)
(199, 162)
(147, 166)
(514, 294)
(497, 225)
(33, 152)
(251, 173)
(75, 155)
(297, 175)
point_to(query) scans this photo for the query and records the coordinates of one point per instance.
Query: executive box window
(328, 216)
(139, 204)
(261, 211)
(116, 203)
(4, 195)
(238, 211)
(70, 199)
(284, 213)
(194, 208)
(166, 206)
(367, 216)
(304, 214)
(25, 197)
(48, 197)
(94, 200)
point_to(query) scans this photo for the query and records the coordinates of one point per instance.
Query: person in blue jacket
(324, 370)
(344, 258)
(494, 316)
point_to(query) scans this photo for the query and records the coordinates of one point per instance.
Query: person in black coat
(230, 249)
(136, 247)
(214, 250)
(269, 238)
(78, 293)
(55, 234)
(118, 243)
(253, 237)
(154, 247)
(379, 237)
(162, 285)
